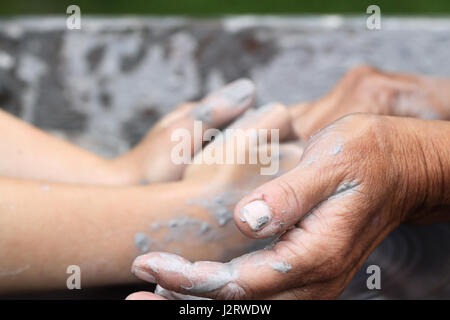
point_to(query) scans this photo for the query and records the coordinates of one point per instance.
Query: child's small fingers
(298, 109)
(216, 109)
(181, 134)
(224, 105)
(270, 116)
(180, 113)
(257, 127)
(213, 111)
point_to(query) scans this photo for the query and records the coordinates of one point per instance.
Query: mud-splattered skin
(365, 89)
(329, 214)
(152, 158)
(205, 219)
(220, 197)
(358, 179)
(204, 276)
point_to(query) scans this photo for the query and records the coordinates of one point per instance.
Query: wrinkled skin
(217, 187)
(368, 90)
(357, 180)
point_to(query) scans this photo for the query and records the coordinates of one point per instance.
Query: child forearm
(47, 227)
(30, 153)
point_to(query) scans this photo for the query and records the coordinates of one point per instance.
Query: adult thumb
(279, 204)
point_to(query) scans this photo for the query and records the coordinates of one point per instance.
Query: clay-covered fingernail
(238, 93)
(142, 274)
(257, 214)
(139, 270)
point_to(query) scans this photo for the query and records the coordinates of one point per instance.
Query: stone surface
(104, 86)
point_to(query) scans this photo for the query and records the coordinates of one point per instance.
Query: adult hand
(357, 180)
(205, 228)
(365, 89)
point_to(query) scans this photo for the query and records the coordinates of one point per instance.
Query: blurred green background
(210, 7)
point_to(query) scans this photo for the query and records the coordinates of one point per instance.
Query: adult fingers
(280, 203)
(172, 295)
(319, 253)
(249, 276)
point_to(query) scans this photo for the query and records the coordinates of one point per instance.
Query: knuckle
(299, 294)
(232, 291)
(358, 73)
(336, 265)
(363, 69)
(288, 195)
(364, 137)
(332, 254)
(375, 90)
(333, 265)
(357, 117)
(365, 121)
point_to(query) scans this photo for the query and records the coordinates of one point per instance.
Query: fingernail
(257, 214)
(238, 93)
(144, 275)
